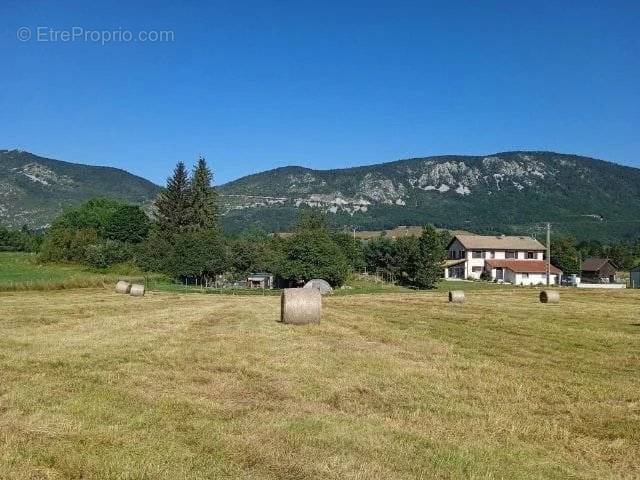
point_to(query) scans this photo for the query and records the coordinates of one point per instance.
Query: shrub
(67, 244)
(312, 254)
(201, 254)
(107, 253)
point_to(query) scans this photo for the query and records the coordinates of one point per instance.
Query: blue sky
(256, 85)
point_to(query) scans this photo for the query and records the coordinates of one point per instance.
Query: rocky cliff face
(505, 192)
(501, 190)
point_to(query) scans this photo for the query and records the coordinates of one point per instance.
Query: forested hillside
(504, 192)
(34, 190)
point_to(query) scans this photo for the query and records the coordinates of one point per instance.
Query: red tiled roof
(523, 266)
(594, 264)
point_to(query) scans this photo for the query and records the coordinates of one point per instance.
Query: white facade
(519, 278)
(475, 259)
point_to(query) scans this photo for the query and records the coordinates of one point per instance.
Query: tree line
(183, 238)
(568, 254)
(22, 240)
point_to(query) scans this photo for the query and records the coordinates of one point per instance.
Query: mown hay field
(97, 385)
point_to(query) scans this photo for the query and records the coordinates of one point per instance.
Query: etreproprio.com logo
(102, 37)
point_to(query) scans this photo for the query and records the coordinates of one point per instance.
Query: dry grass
(99, 385)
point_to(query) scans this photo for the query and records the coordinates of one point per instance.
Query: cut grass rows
(99, 385)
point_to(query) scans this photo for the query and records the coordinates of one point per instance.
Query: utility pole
(548, 254)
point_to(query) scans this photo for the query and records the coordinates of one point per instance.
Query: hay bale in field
(123, 287)
(319, 284)
(137, 290)
(300, 306)
(456, 296)
(549, 296)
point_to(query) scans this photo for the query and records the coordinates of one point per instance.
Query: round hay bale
(549, 296)
(456, 296)
(319, 284)
(300, 306)
(137, 290)
(123, 287)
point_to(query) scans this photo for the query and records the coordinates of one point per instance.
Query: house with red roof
(513, 259)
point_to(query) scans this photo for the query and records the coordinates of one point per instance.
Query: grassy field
(22, 271)
(96, 385)
(356, 285)
(22, 268)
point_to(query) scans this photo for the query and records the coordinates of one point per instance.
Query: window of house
(492, 254)
(510, 254)
(477, 254)
(476, 269)
(525, 275)
(531, 255)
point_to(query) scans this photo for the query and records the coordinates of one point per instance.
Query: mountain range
(509, 192)
(34, 190)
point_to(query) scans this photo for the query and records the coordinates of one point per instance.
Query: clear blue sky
(256, 85)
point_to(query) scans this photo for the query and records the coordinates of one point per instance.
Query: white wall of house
(534, 279)
(524, 278)
(475, 259)
(475, 266)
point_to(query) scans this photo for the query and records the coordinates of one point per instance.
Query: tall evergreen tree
(173, 203)
(203, 205)
(430, 258)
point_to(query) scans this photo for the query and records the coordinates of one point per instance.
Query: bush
(252, 251)
(23, 240)
(201, 254)
(67, 245)
(98, 233)
(107, 253)
(312, 254)
(352, 249)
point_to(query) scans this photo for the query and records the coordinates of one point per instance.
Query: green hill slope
(34, 190)
(504, 192)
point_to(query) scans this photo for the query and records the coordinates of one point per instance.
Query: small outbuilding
(260, 280)
(634, 277)
(598, 270)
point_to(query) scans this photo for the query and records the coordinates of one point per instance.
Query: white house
(522, 272)
(513, 259)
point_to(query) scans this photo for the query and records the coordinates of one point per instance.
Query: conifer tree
(431, 256)
(203, 202)
(172, 206)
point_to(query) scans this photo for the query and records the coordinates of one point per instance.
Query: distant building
(522, 272)
(515, 259)
(634, 277)
(598, 270)
(260, 280)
